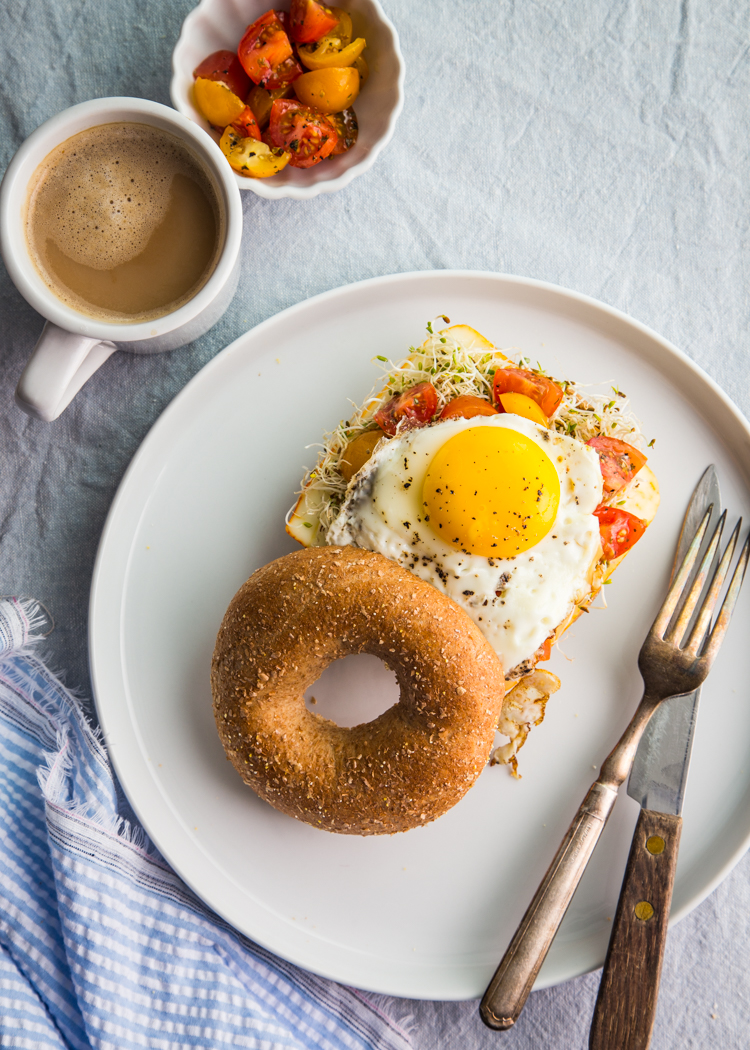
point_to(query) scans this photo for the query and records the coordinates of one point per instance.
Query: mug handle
(59, 365)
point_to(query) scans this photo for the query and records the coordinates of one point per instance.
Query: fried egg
(495, 511)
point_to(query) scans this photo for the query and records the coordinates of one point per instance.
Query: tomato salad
(535, 397)
(286, 95)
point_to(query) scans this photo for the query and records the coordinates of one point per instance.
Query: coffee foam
(124, 223)
(101, 194)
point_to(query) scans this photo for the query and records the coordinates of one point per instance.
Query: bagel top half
(298, 614)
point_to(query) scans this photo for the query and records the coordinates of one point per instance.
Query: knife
(626, 1004)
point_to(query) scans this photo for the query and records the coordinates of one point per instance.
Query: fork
(668, 669)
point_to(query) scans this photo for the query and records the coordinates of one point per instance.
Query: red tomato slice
(346, 127)
(246, 124)
(306, 134)
(544, 652)
(618, 530)
(264, 46)
(414, 408)
(225, 67)
(547, 394)
(284, 74)
(619, 461)
(466, 406)
(309, 21)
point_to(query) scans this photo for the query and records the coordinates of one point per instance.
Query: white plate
(426, 914)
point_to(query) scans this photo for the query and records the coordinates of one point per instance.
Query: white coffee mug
(72, 345)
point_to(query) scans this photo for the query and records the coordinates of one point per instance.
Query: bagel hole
(354, 690)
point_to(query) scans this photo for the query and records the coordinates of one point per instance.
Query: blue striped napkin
(101, 944)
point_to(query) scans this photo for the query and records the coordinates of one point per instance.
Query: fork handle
(626, 1003)
(509, 988)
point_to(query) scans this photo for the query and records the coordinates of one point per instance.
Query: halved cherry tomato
(347, 128)
(284, 74)
(216, 102)
(246, 125)
(309, 21)
(329, 52)
(618, 530)
(362, 68)
(328, 90)
(466, 406)
(414, 408)
(307, 135)
(224, 66)
(264, 47)
(522, 405)
(547, 394)
(250, 157)
(544, 652)
(260, 101)
(357, 452)
(619, 461)
(342, 32)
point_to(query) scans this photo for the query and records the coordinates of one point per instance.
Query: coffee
(123, 222)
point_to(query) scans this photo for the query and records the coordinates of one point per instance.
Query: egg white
(517, 602)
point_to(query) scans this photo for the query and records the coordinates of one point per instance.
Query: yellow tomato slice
(362, 68)
(218, 103)
(325, 54)
(343, 30)
(260, 101)
(328, 90)
(521, 405)
(251, 157)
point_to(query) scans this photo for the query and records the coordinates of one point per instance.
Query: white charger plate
(426, 914)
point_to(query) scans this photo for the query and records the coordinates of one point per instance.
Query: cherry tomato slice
(252, 158)
(309, 21)
(544, 652)
(326, 52)
(264, 46)
(283, 75)
(547, 394)
(226, 67)
(619, 461)
(307, 135)
(246, 125)
(466, 406)
(619, 530)
(216, 102)
(414, 408)
(347, 128)
(260, 101)
(521, 405)
(329, 90)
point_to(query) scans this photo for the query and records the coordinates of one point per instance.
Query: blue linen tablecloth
(602, 146)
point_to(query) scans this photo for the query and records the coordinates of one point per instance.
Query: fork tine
(703, 621)
(677, 632)
(680, 581)
(727, 607)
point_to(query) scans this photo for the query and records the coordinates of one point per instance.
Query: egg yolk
(491, 491)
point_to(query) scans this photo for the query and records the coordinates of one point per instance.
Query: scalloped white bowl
(216, 24)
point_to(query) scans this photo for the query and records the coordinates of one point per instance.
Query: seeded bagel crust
(297, 615)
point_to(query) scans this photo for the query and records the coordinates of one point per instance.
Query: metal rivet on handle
(643, 911)
(655, 844)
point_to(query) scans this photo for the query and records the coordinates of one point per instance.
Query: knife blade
(659, 774)
(626, 1003)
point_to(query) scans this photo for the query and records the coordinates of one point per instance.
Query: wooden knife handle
(626, 1003)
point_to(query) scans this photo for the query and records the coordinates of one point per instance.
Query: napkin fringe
(54, 775)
